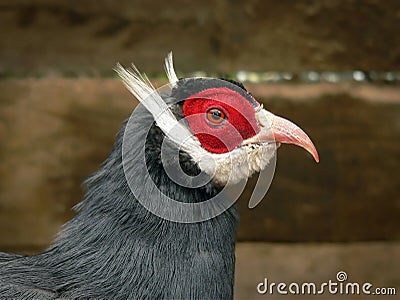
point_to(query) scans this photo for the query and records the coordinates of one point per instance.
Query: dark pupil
(216, 115)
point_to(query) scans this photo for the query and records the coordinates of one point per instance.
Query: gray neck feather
(115, 249)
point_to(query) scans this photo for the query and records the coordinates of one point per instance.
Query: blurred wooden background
(60, 108)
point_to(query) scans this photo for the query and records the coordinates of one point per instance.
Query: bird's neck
(113, 234)
(110, 203)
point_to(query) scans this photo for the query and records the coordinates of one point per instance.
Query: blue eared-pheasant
(115, 247)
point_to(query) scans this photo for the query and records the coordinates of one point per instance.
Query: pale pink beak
(279, 130)
(287, 132)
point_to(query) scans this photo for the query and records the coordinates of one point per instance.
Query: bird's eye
(215, 116)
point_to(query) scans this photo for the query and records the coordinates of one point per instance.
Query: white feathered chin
(239, 164)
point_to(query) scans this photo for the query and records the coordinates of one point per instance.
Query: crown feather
(169, 69)
(140, 86)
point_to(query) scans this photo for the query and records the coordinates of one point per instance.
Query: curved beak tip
(315, 155)
(287, 132)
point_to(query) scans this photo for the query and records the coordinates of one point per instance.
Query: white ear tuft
(140, 86)
(169, 69)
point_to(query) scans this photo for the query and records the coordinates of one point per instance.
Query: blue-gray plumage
(114, 248)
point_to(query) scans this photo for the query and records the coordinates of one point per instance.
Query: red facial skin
(220, 137)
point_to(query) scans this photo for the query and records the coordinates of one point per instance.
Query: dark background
(60, 107)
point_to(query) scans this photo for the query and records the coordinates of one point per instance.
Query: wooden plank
(57, 37)
(315, 263)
